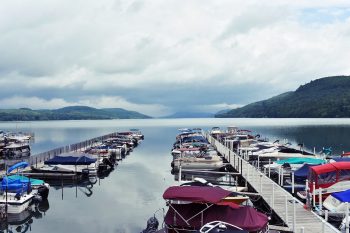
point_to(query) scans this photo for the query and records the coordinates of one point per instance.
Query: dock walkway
(288, 208)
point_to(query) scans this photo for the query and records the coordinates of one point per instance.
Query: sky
(164, 56)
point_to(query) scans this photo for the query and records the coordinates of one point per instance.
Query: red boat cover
(245, 217)
(199, 194)
(330, 167)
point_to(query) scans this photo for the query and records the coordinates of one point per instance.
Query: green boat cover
(301, 161)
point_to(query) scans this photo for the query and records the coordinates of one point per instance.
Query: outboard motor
(152, 225)
(43, 191)
(108, 162)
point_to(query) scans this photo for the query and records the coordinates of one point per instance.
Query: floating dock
(288, 208)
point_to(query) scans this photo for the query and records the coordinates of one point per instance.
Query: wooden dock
(288, 208)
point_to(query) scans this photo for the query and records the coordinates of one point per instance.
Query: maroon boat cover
(201, 194)
(245, 217)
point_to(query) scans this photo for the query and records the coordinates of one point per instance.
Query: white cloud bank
(50, 48)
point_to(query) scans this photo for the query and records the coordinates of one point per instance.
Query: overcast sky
(163, 56)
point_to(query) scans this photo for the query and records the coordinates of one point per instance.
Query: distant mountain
(223, 111)
(68, 113)
(190, 115)
(327, 97)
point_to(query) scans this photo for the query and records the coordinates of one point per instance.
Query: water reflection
(22, 222)
(123, 199)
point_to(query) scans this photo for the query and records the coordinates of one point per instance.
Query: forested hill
(322, 98)
(68, 113)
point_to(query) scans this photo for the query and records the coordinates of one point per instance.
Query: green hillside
(68, 113)
(322, 98)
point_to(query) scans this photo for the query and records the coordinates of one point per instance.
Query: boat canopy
(342, 196)
(302, 173)
(301, 161)
(328, 174)
(329, 167)
(198, 194)
(186, 216)
(70, 160)
(19, 165)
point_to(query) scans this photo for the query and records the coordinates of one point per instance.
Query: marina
(145, 174)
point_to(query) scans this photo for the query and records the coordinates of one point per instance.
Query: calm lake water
(123, 201)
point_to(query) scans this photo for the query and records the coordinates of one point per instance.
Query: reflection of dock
(288, 208)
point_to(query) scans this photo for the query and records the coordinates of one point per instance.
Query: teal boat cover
(301, 161)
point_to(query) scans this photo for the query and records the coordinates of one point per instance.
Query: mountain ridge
(69, 113)
(327, 97)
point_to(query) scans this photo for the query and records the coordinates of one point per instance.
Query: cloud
(161, 55)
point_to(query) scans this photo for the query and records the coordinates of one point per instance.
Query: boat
(294, 163)
(16, 150)
(335, 203)
(15, 196)
(206, 162)
(77, 163)
(330, 177)
(192, 207)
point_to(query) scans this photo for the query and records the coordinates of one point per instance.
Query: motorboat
(192, 207)
(17, 150)
(15, 195)
(327, 178)
(78, 163)
(206, 162)
(335, 203)
(294, 163)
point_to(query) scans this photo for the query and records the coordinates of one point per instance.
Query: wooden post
(273, 195)
(313, 195)
(260, 183)
(347, 218)
(286, 208)
(294, 216)
(269, 168)
(320, 199)
(301, 229)
(293, 183)
(180, 172)
(326, 215)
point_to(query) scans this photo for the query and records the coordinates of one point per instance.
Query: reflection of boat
(21, 222)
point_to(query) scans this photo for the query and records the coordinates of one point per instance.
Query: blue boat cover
(19, 165)
(302, 173)
(342, 196)
(70, 160)
(14, 186)
(341, 159)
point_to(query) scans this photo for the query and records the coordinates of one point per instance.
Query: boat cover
(329, 167)
(342, 196)
(70, 160)
(301, 161)
(14, 186)
(24, 179)
(19, 165)
(301, 174)
(341, 159)
(199, 194)
(245, 217)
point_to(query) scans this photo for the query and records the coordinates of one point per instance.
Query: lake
(123, 201)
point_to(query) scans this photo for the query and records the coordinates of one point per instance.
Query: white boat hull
(15, 206)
